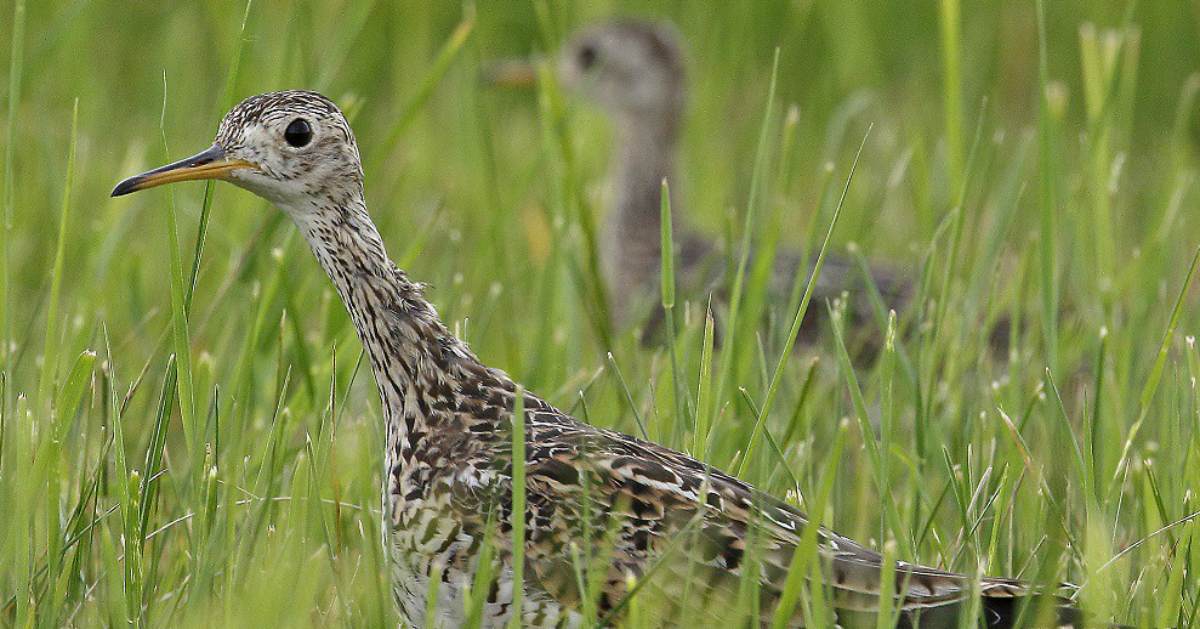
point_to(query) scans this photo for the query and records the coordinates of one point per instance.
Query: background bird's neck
(416, 360)
(644, 155)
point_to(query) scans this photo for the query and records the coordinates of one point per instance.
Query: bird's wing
(600, 498)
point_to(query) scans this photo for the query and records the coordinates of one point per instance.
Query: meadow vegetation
(189, 435)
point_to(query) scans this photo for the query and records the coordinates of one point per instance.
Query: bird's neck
(418, 364)
(644, 155)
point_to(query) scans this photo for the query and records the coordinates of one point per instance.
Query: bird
(631, 516)
(634, 71)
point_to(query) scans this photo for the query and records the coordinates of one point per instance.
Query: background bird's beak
(208, 164)
(511, 73)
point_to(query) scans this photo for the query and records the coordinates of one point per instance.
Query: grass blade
(15, 67)
(50, 353)
(793, 332)
(518, 507)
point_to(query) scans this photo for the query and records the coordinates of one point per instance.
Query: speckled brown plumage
(638, 508)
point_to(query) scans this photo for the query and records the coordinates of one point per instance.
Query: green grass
(187, 432)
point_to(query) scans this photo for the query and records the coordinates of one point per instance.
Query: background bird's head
(628, 67)
(293, 148)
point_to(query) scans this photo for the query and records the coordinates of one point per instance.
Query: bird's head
(293, 148)
(628, 67)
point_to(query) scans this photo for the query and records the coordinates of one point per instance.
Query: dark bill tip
(127, 186)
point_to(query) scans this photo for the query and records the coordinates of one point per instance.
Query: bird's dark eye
(587, 57)
(298, 133)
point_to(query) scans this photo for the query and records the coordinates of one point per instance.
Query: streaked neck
(412, 353)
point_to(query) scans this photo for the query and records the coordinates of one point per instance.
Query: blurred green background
(1063, 204)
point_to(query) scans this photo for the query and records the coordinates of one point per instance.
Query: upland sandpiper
(634, 70)
(615, 507)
